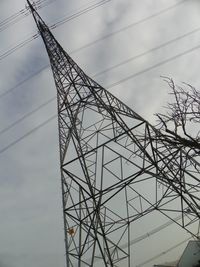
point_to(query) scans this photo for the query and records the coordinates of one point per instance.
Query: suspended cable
(15, 48)
(22, 11)
(108, 35)
(130, 59)
(154, 231)
(3, 22)
(18, 18)
(27, 115)
(164, 252)
(112, 85)
(25, 12)
(78, 14)
(13, 19)
(147, 235)
(110, 68)
(34, 36)
(154, 66)
(23, 81)
(129, 26)
(27, 134)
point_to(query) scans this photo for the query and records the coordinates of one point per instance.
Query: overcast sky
(31, 226)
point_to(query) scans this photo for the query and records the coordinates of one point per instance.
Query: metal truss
(115, 167)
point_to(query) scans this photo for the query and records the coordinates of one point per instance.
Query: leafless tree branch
(182, 116)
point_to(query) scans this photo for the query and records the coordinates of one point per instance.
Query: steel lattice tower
(115, 167)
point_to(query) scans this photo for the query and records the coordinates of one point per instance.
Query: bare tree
(180, 123)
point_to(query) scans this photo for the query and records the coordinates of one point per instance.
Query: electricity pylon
(115, 167)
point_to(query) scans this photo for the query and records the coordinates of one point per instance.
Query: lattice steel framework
(115, 167)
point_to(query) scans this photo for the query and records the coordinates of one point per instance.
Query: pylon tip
(29, 4)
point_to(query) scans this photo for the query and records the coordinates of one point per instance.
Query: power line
(112, 85)
(23, 81)
(147, 235)
(129, 26)
(20, 45)
(110, 68)
(55, 25)
(27, 115)
(124, 62)
(154, 66)
(78, 14)
(148, 51)
(154, 231)
(16, 17)
(164, 252)
(12, 19)
(27, 134)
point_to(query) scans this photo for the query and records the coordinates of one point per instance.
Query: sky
(31, 225)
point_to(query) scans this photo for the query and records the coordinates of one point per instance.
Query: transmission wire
(28, 40)
(112, 85)
(152, 232)
(154, 66)
(164, 252)
(110, 68)
(13, 19)
(147, 52)
(24, 12)
(78, 14)
(26, 115)
(108, 35)
(27, 134)
(117, 65)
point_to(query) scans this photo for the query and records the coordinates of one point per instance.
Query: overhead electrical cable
(149, 234)
(78, 14)
(27, 134)
(22, 14)
(131, 25)
(103, 37)
(23, 81)
(110, 68)
(154, 66)
(66, 19)
(15, 48)
(112, 85)
(164, 252)
(152, 232)
(25, 12)
(26, 115)
(10, 18)
(13, 19)
(130, 59)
